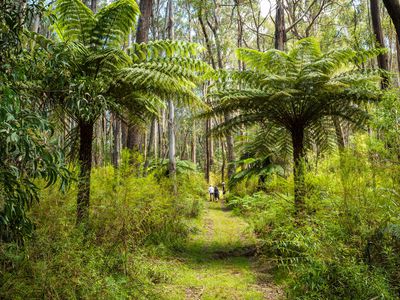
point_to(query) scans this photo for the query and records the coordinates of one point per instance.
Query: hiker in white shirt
(211, 192)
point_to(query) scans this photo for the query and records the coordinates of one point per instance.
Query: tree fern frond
(74, 21)
(142, 105)
(40, 40)
(297, 92)
(170, 69)
(166, 86)
(364, 55)
(163, 48)
(114, 22)
(264, 61)
(187, 63)
(306, 49)
(106, 60)
(235, 123)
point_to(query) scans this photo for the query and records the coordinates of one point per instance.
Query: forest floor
(218, 262)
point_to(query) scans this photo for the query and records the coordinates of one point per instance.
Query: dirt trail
(217, 262)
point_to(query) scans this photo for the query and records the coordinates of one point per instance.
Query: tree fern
(114, 22)
(168, 69)
(297, 93)
(74, 21)
(99, 75)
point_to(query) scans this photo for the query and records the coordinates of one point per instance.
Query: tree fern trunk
(85, 163)
(298, 169)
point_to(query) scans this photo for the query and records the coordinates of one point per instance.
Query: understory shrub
(347, 243)
(131, 219)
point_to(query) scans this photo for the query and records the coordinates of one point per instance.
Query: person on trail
(223, 188)
(211, 192)
(216, 194)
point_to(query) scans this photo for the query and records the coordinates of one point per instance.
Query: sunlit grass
(207, 267)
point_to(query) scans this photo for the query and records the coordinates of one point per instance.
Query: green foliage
(299, 89)
(258, 160)
(161, 70)
(348, 244)
(339, 280)
(182, 167)
(294, 97)
(28, 148)
(75, 22)
(134, 220)
(25, 155)
(88, 55)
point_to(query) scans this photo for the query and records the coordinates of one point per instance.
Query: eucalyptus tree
(97, 66)
(293, 96)
(383, 59)
(27, 149)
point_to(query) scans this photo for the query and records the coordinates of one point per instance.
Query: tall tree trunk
(206, 38)
(230, 151)
(223, 161)
(155, 145)
(377, 28)
(339, 134)
(93, 6)
(393, 9)
(150, 144)
(207, 148)
(85, 164)
(213, 64)
(124, 134)
(98, 138)
(194, 144)
(142, 34)
(161, 135)
(398, 55)
(298, 168)
(171, 109)
(280, 30)
(133, 138)
(229, 138)
(171, 139)
(116, 126)
(211, 144)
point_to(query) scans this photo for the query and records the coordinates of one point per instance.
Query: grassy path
(215, 264)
